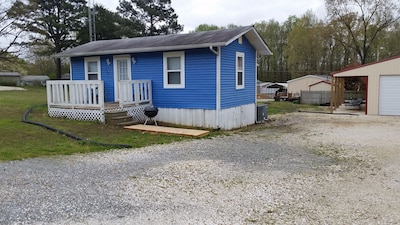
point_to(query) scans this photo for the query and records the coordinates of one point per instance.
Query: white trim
(256, 72)
(180, 54)
(116, 87)
(97, 59)
(239, 54)
(70, 68)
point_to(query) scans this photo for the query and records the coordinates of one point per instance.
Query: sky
(192, 13)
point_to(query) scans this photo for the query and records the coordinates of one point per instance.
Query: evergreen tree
(109, 25)
(52, 24)
(156, 16)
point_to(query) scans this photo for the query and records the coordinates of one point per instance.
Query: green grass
(19, 140)
(289, 107)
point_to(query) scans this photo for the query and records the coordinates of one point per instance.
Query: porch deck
(169, 130)
(84, 100)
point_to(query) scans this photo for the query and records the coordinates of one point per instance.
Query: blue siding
(230, 96)
(107, 74)
(200, 79)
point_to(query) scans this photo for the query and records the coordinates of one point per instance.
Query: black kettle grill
(150, 112)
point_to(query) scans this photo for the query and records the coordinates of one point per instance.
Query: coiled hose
(73, 136)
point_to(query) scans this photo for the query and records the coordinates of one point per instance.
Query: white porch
(84, 99)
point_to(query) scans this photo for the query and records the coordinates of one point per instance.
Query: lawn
(20, 140)
(288, 107)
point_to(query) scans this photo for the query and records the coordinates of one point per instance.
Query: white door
(122, 71)
(389, 95)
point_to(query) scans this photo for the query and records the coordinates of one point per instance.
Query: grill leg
(152, 119)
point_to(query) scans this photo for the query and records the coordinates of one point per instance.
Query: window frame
(167, 55)
(238, 70)
(92, 59)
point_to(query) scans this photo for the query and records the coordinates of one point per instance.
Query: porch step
(119, 119)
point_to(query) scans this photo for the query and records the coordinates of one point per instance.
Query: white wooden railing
(134, 92)
(76, 93)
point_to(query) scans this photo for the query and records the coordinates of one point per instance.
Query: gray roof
(321, 77)
(35, 78)
(169, 42)
(10, 74)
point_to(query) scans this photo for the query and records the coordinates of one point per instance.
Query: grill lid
(150, 111)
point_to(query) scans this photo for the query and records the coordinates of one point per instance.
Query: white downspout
(218, 84)
(212, 49)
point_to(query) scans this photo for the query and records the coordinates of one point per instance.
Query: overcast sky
(192, 13)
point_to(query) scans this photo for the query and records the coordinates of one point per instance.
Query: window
(174, 70)
(239, 70)
(92, 68)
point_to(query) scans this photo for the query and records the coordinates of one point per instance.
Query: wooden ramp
(168, 130)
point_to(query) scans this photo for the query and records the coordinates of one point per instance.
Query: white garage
(382, 82)
(389, 95)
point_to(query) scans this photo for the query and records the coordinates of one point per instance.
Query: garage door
(389, 95)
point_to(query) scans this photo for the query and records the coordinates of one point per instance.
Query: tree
(9, 34)
(207, 27)
(274, 68)
(388, 45)
(52, 24)
(359, 23)
(306, 46)
(156, 16)
(109, 25)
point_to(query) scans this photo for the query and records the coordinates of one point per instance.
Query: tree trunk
(58, 68)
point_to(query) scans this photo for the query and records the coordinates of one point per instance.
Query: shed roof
(169, 42)
(10, 74)
(356, 69)
(319, 82)
(35, 78)
(321, 77)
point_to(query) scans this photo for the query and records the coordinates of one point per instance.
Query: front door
(122, 71)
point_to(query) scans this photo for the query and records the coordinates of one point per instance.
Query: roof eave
(255, 39)
(139, 50)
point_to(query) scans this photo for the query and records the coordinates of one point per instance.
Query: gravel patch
(301, 169)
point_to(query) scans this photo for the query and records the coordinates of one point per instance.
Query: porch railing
(76, 94)
(135, 92)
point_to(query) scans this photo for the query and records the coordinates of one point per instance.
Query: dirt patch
(8, 88)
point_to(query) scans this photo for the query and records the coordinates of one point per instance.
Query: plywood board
(168, 130)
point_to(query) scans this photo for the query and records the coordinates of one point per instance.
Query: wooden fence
(315, 97)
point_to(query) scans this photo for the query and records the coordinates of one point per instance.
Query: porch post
(101, 96)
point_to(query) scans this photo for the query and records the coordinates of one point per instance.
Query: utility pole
(92, 21)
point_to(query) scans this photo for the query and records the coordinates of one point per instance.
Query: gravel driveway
(301, 169)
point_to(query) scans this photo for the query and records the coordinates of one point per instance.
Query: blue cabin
(204, 79)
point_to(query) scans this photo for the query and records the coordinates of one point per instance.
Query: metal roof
(10, 74)
(35, 78)
(168, 43)
(321, 77)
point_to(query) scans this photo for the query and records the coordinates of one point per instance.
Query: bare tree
(9, 33)
(358, 23)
